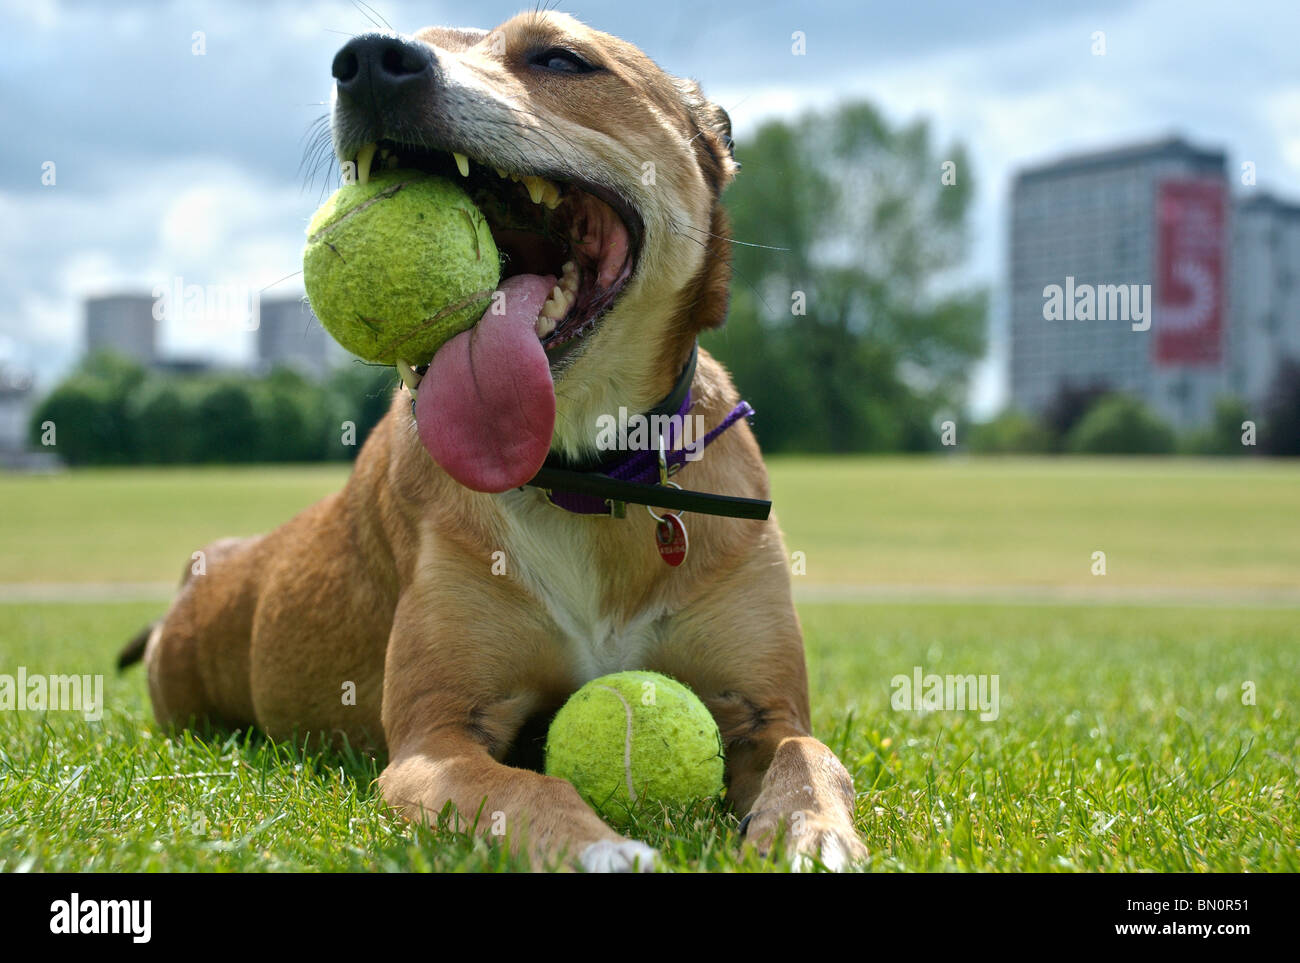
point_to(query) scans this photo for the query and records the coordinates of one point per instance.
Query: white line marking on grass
(1136, 595)
(1190, 596)
(16, 593)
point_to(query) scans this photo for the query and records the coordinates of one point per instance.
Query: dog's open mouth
(485, 406)
(583, 235)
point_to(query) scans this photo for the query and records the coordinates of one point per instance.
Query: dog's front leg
(747, 663)
(544, 814)
(792, 787)
(464, 669)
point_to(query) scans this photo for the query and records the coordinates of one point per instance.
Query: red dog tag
(670, 539)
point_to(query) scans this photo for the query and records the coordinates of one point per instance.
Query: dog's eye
(561, 60)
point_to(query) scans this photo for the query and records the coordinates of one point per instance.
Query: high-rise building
(1264, 294)
(1098, 241)
(16, 402)
(288, 334)
(122, 323)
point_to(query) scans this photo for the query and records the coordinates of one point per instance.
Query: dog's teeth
(392, 163)
(462, 164)
(560, 301)
(364, 158)
(501, 173)
(569, 276)
(536, 186)
(541, 191)
(556, 306)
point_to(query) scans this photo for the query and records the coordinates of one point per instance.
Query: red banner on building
(1190, 272)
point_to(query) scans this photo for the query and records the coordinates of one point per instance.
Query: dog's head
(592, 166)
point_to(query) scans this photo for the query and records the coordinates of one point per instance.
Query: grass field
(1123, 741)
(1226, 524)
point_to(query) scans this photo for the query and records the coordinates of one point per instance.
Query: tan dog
(389, 586)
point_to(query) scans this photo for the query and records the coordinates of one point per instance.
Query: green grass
(140, 525)
(1227, 524)
(1122, 741)
(1224, 524)
(1121, 744)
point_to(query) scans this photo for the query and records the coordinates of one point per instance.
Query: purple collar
(603, 487)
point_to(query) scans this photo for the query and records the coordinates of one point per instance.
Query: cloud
(171, 163)
(208, 222)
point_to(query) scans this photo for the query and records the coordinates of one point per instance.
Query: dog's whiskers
(679, 231)
(366, 11)
(730, 240)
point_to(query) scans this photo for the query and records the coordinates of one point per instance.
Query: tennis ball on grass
(396, 266)
(631, 738)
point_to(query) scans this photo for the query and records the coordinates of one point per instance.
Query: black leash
(641, 493)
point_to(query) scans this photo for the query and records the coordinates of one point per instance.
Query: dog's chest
(553, 554)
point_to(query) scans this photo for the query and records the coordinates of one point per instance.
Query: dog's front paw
(619, 856)
(810, 841)
(833, 847)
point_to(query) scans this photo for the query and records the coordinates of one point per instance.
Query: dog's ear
(714, 127)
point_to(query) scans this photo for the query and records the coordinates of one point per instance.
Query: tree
(164, 422)
(1281, 428)
(855, 333)
(227, 428)
(1121, 425)
(294, 417)
(1223, 435)
(1011, 432)
(1067, 408)
(89, 411)
(361, 394)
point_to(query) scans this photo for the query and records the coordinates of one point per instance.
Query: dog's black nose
(382, 66)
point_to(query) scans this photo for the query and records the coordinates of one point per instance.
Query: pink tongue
(486, 407)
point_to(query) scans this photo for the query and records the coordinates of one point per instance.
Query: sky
(171, 163)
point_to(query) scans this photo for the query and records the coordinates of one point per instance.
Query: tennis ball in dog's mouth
(635, 738)
(396, 266)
